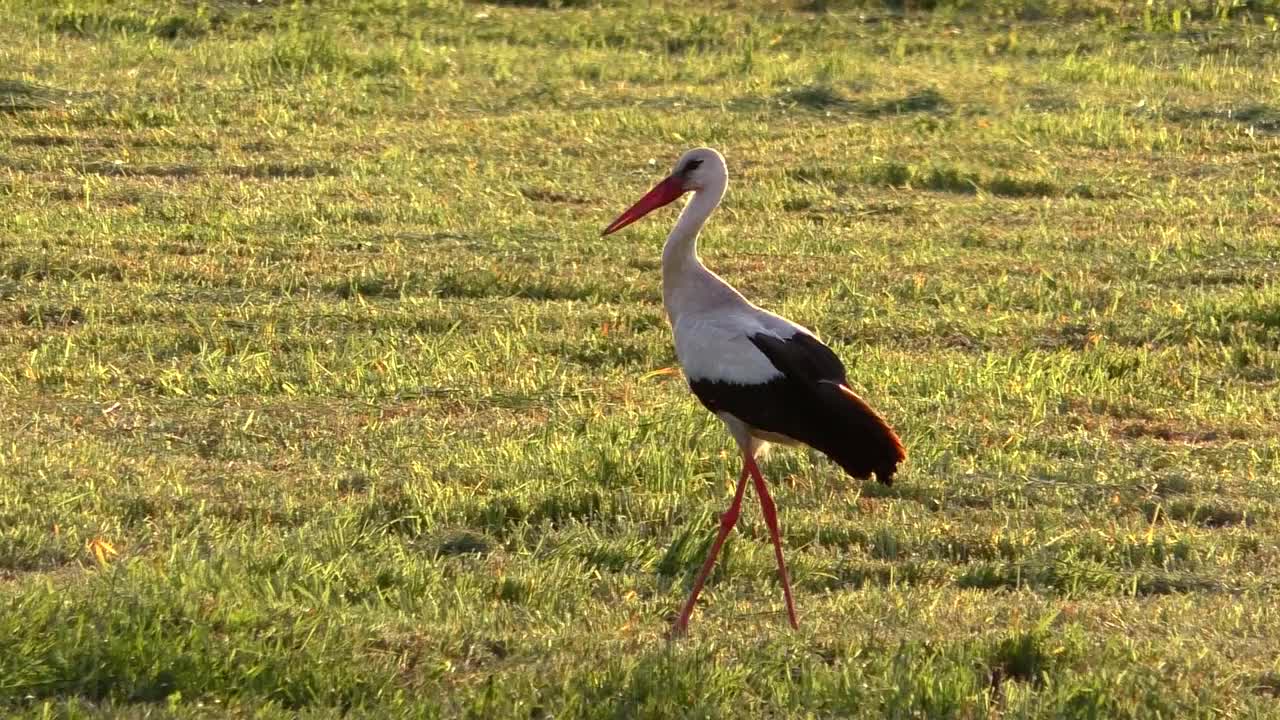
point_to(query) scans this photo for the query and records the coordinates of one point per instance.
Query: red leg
(727, 521)
(771, 519)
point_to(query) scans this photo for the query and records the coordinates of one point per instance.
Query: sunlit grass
(321, 393)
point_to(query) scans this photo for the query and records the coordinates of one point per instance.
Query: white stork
(767, 378)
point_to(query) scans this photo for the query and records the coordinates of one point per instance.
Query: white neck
(686, 282)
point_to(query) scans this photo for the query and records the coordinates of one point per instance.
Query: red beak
(662, 194)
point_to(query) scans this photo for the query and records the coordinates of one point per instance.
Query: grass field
(321, 394)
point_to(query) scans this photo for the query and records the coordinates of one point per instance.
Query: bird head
(696, 169)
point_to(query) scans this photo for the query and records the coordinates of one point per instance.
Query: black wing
(810, 403)
(801, 356)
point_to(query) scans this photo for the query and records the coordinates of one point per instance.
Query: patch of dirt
(1268, 684)
(18, 96)
(1204, 514)
(1170, 433)
(551, 196)
(42, 140)
(1258, 117)
(1075, 336)
(117, 169)
(280, 170)
(1137, 423)
(826, 98)
(465, 543)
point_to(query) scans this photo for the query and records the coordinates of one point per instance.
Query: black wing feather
(802, 357)
(810, 403)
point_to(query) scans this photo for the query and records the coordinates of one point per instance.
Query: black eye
(690, 167)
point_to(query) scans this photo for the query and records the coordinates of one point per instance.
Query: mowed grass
(321, 394)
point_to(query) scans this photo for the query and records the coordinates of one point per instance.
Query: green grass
(304, 311)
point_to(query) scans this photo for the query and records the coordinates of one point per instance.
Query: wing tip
(891, 449)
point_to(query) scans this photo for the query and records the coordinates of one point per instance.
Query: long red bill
(662, 194)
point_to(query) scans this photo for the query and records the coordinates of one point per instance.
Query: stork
(767, 378)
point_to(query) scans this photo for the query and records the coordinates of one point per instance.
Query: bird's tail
(859, 440)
